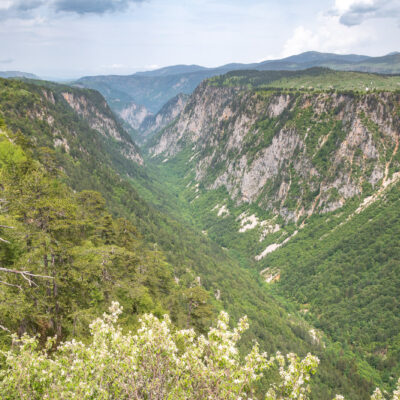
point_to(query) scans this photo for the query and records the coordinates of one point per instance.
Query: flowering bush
(157, 362)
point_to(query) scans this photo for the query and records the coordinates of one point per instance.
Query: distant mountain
(17, 74)
(389, 64)
(317, 57)
(176, 69)
(134, 114)
(152, 89)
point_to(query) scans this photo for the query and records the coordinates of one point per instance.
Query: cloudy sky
(71, 38)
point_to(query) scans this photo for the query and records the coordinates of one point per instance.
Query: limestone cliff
(154, 123)
(134, 114)
(293, 152)
(88, 106)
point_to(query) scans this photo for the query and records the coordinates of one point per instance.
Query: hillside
(297, 183)
(288, 152)
(154, 123)
(67, 118)
(313, 78)
(223, 214)
(71, 250)
(142, 251)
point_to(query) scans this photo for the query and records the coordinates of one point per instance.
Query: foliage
(338, 371)
(156, 362)
(139, 241)
(309, 79)
(90, 256)
(347, 275)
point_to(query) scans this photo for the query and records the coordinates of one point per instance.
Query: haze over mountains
(152, 89)
(17, 74)
(144, 93)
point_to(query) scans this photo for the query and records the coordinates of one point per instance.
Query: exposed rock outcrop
(100, 118)
(135, 114)
(293, 152)
(154, 123)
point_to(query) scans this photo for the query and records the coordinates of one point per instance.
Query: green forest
(83, 225)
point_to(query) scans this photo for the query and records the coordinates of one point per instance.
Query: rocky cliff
(293, 152)
(96, 112)
(153, 123)
(134, 114)
(67, 117)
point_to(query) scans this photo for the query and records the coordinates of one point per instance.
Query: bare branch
(4, 240)
(26, 275)
(5, 226)
(16, 271)
(29, 280)
(4, 328)
(10, 284)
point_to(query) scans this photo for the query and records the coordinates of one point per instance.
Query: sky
(72, 38)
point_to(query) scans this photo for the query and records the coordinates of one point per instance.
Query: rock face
(154, 123)
(95, 111)
(147, 124)
(73, 119)
(134, 114)
(291, 152)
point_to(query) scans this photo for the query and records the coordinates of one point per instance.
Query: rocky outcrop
(135, 114)
(293, 152)
(147, 124)
(154, 123)
(96, 112)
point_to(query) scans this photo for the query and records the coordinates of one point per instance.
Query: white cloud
(204, 32)
(345, 5)
(19, 9)
(327, 35)
(93, 6)
(5, 4)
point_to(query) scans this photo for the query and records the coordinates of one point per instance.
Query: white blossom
(155, 362)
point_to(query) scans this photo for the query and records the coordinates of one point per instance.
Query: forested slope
(348, 279)
(301, 184)
(62, 162)
(82, 256)
(102, 222)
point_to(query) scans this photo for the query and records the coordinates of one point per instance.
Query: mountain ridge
(212, 112)
(17, 74)
(109, 239)
(153, 89)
